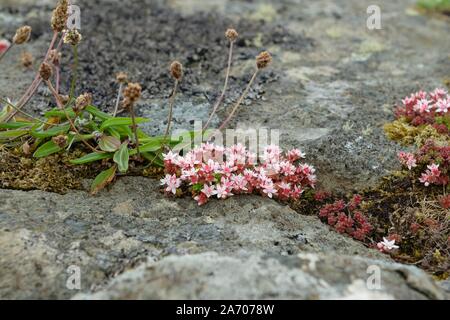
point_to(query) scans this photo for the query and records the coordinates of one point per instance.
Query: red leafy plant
(214, 171)
(346, 218)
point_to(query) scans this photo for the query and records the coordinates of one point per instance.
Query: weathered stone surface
(330, 89)
(42, 234)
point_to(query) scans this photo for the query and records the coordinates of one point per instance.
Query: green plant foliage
(121, 157)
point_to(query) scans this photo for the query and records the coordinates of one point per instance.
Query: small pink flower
(239, 182)
(407, 159)
(438, 93)
(443, 105)
(208, 191)
(294, 155)
(171, 182)
(423, 106)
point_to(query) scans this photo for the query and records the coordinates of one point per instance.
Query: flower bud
(121, 77)
(82, 102)
(45, 71)
(263, 60)
(22, 35)
(231, 35)
(60, 16)
(176, 70)
(26, 59)
(72, 37)
(60, 141)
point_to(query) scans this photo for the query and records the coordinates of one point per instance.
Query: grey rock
(43, 234)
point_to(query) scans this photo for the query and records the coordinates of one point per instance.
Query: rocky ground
(332, 86)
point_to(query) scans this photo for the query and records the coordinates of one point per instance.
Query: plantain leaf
(121, 122)
(109, 143)
(52, 132)
(13, 134)
(46, 149)
(97, 113)
(59, 113)
(16, 125)
(122, 157)
(103, 179)
(154, 158)
(91, 157)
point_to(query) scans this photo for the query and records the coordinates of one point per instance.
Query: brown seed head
(176, 70)
(82, 102)
(22, 35)
(64, 99)
(231, 35)
(121, 77)
(263, 60)
(60, 140)
(131, 94)
(26, 59)
(60, 16)
(54, 57)
(72, 37)
(45, 71)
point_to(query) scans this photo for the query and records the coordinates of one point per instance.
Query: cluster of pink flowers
(432, 161)
(215, 171)
(423, 108)
(346, 219)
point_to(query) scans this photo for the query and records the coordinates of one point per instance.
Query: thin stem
(24, 113)
(238, 103)
(6, 51)
(61, 106)
(225, 86)
(74, 72)
(34, 85)
(116, 108)
(57, 78)
(136, 138)
(169, 118)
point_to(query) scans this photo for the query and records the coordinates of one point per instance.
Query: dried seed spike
(176, 70)
(45, 71)
(72, 37)
(60, 140)
(82, 102)
(121, 77)
(54, 57)
(131, 94)
(64, 99)
(231, 34)
(26, 59)
(22, 35)
(263, 60)
(60, 16)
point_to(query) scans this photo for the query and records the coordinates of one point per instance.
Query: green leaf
(103, 179)
(122, 157)
(59, 113)
(114, 132)
(52, 132)
(13, 134)
(97, 113)
(151, 146)
(197, 187)
(46, 149)
(121, 122)
(91, 157)
(16, 125)
(109, 143)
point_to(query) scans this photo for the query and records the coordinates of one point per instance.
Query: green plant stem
(225, 86)
(116, 108)
(136, 138)
(171, 103)
(238, 103)
(74, 72)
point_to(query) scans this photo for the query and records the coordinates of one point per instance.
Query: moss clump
(53, 173)
(440, 6)
(401, 131)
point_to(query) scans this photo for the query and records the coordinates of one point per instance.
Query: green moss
(442, 6)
